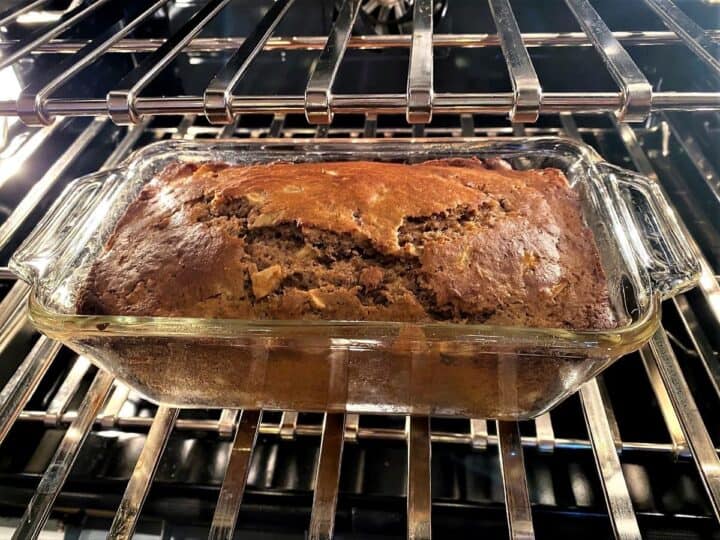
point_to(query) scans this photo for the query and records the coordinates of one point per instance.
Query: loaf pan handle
(61, 227)
(658, 240)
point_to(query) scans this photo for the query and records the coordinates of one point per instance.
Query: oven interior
(85, 82)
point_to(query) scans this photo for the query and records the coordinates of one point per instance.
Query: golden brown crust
(458, 240)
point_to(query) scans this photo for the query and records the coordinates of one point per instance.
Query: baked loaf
(460, 240)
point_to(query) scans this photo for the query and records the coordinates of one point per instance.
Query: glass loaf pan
(427, 368)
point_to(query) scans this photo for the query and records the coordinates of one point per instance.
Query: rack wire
(102, 404)
(633, 100)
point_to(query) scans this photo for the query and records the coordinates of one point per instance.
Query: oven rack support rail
(126, 103)
(103, 401)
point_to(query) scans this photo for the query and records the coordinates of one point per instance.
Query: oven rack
(633, 101)
(103, 401)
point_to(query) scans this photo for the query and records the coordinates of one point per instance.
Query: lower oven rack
(101, 406)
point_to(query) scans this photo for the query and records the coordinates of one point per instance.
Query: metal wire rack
(101, 407)
(126, 103)
(102, 403)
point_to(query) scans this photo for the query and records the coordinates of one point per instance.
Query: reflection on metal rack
(544, 433)
(38, 509)
(126, 518)
(69, 387)
(387, 41)
(517, 500)
(687, 433)
(634, 87)
(366, 433)
(22, 384)
(327, 478)
(236, 472)
(125, 104)
(318, 94)
(31, 99)
(30, 11)
(14, 12)
(500, 103)
(40, 189)
(420, 91)
(617, 497)
(419, 502)
(120, 101)
(689, 31)
(672, 423)
(12, 159)
(43, 35)
(24, 381)
(706, 457)
(119, 396)
(219, 91)
(526, 85)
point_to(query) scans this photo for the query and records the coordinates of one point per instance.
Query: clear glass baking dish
(440, 368)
